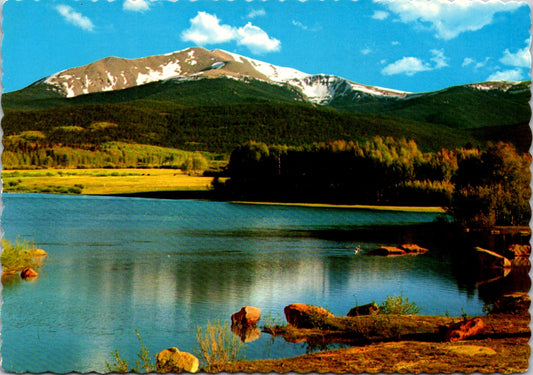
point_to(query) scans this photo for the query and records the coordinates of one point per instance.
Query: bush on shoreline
(16, 257)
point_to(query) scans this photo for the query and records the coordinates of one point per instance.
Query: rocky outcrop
(172, 360)
(368, 309)
(489, 259)
(247, 315)
(305, 316)
(464, 329)
(513, 303)
(28, 273)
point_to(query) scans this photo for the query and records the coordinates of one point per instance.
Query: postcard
(265, 186)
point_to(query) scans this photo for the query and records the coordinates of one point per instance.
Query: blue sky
(410, 45)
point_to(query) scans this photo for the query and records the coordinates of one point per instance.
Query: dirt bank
(502, 348)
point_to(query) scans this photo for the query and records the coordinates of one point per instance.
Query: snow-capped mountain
(113, 73)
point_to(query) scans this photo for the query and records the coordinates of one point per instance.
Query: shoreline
(434, 209)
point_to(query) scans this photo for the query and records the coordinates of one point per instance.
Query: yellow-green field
(358, 206)
(101, 181)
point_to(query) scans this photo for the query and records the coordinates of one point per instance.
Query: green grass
(101, 181)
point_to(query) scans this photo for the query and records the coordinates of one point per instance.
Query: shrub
(143, 363)
(398, 305)
(218, 345)
(16, 257)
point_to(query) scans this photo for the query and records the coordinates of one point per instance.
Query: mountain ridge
(114, 73)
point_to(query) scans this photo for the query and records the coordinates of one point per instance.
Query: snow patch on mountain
(170, 70)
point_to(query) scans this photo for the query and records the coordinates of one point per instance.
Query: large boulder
(513, 303)
(491, 260)
(368, 309)
(28, 273)
(305, 316)
(247, 315)
(172, 360)
(464, 329)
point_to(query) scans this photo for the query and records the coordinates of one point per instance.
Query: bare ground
(502, 348)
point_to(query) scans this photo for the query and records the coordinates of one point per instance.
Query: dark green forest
(479, 188)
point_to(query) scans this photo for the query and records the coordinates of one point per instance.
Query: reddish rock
(172, 360)
(28, 273)
(464, 329)
(413, 248)
(248, 315)
(305, 316)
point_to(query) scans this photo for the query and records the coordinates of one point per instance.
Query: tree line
(484, 188)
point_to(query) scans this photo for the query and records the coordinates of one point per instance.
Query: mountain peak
(115, 73)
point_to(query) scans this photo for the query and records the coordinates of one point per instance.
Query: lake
(165, 267)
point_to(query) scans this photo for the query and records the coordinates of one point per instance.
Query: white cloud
(299, 24)
(406, 65)
(256, 39)
(482, 64)
(206, 29)
(395, 43)
(506, 75)
(136, 5)
(380, 15)
(366, 51)
(449, 19)
(467, 61)
(438, 58)
(256, 13)
(412, 65)
(521, 58)
(75, 18)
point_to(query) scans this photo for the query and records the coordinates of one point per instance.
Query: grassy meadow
(101, 181)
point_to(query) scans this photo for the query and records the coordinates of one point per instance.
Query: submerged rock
(172, 360)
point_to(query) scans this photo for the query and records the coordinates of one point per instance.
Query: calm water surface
(165, 267)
